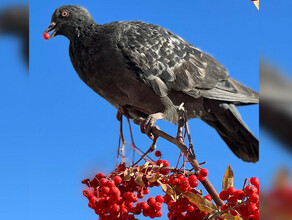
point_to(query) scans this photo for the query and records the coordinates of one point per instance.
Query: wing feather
(166, 62)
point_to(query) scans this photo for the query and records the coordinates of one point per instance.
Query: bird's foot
(149, 122)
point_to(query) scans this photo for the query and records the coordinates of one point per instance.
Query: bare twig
(151, 148)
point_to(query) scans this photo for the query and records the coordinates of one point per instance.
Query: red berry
(129, 204)
(127, 195)
(167, 198)
(115, 191)
(123, 211)
(165, 163)
(46, 36)
(105, 190)
(157, 206)
(254, 181)
(117, 180)
(203, 172)
(250, 190)
(159, 198)
(190, 208)
(110, 184)
(231, 190)
(184, 183)
(158, 162)
(183, 188)
(194, 183)
(239, 194)
(145, 212)
(192, 178)
(224, 195)
(252, 207)
(151, 201)
(86, 193)
(99, 175)
(158, 214)
(157, 153)
(133, 197)
(102, 182)
(254, 198)
(146, 191)
(176, 181)
(115, 208)
(232, 200)
(201, 178)
(144, 205)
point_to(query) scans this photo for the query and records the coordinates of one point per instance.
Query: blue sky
(56, 131)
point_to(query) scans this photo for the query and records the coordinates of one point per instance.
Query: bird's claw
(119, 115)
(148, 123)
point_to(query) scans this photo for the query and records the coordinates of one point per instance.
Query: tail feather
(234, 132)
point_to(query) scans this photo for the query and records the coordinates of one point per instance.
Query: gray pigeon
(148, 72)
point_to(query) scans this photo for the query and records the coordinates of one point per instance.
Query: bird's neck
(82, 30)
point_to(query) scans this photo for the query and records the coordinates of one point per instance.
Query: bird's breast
(106, 73)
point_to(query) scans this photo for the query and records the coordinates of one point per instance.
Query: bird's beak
(51, 27)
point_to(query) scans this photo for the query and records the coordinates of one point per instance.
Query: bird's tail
(235, 133)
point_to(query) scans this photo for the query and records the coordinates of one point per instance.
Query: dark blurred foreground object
(276, 103)
(149, 72)
(14, 20)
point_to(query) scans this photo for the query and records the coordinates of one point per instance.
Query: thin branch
(191, 158)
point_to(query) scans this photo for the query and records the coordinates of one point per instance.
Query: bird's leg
(191, 148)
(149, 122)
(121, 146)
(181, 122)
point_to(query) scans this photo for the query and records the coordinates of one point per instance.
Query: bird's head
(69, 20)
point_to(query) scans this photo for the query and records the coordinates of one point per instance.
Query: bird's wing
(166, 62)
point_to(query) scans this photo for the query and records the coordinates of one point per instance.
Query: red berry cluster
(116, 196)
(182, 208)
(242, 202)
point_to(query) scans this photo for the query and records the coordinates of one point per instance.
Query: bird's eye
(65, 13)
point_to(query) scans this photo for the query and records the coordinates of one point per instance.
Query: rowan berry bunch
(120, 194)
(243, 203)
(116, 196)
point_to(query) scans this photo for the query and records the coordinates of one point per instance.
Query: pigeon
(150, 73)
(14, 20)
